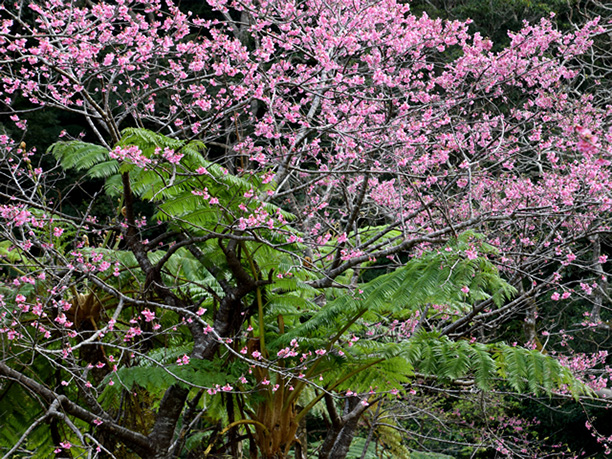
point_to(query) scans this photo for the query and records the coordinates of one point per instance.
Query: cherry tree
(288, 150)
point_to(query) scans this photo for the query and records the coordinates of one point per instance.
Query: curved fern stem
(310, 372)
(262, 334)
(260, 312)
(316, 400)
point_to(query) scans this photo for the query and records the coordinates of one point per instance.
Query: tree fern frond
(484, 366)
(103, 169)
(287, 305)
(523, 369)
(78, 155)
(527, 369)
(455, 359)
(113, 186)
(389, 374)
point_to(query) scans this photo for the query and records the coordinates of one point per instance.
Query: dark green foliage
(156, 378)
(344, 338)
(495, 18)
(435, 278)
(19, 409)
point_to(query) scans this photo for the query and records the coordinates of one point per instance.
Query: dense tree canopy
(295, 214)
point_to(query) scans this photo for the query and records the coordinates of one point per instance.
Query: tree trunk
(340, 436)
(301, 444)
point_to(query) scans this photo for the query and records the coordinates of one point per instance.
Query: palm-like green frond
(435, 278)
(523, 369)
(79, 155)
(533, 371)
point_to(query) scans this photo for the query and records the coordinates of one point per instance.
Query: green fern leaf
(78, 155)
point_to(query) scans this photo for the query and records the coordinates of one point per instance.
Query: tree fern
(523, 369)
(367, 373)
(455, 359)
(156, 376)
(451, 278)
(484, 366)
(79, 155)
(435, 278)
(288, 305)
(530, 370)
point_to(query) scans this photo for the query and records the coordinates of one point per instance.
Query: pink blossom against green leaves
(337, 134)
(132, 154)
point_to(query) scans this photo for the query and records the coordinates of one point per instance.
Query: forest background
(305, 228)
